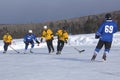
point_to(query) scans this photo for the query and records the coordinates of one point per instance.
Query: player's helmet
(108, 16)
(30, 31)
(45, 27)
(64, 28)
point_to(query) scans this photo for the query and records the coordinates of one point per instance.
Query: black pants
(106, 44)
(100, 44)
(60, 45)
(50, 45)
(6, 46)
(27, 43)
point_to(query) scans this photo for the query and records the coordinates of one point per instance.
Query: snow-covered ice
(70, 65)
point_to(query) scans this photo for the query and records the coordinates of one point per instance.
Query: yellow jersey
(7, 38)
(62, 35)
(47, 34)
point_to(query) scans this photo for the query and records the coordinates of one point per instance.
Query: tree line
(81, 25)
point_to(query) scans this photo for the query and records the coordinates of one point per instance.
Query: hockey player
(62, 38)
(7, 39)
(105, 34)
(29, 39)
(48, 35)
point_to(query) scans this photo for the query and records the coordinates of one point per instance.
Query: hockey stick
(77, 49)
(14, 49)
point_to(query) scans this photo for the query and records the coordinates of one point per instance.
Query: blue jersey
(29, 38)
(106, 30)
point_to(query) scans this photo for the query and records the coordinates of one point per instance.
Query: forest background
(81, 25)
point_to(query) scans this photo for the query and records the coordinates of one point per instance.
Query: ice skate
(104, 57)
(93, 57)
(4, 52)
(31, 50)
(58, 52)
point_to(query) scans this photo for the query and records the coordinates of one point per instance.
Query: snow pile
(89, 39)
(74, 40)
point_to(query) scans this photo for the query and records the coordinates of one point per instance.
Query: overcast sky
(35, 11)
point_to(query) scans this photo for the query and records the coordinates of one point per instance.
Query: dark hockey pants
(50, 45)
(6, 46)
(60, 45)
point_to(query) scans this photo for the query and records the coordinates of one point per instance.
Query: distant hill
(85, 24)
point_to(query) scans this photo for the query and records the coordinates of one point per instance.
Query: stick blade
(81, 51)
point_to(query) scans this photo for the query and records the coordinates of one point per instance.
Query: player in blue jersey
(105, 35)
(29, 39)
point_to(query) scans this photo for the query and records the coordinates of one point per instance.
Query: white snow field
(70, 65)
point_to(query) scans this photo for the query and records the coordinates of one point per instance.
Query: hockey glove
(52, 38)
(65, 41)
(97, 35)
